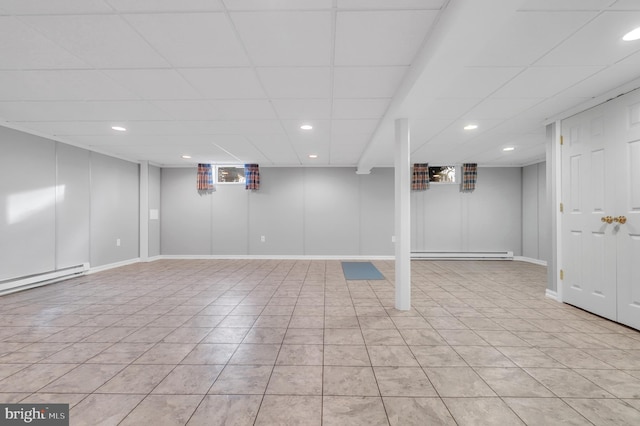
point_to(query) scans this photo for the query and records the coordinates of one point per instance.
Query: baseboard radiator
(36, 280)
(466, 255)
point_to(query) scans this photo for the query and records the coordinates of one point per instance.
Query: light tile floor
(269, 342)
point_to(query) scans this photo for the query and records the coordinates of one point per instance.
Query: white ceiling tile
(477, 82)
(520, 125)
(278, 4)
(104, 41)
(528, 36)
(386, 4)
(353, 127)
(225, 83)
(241, 148)
(277, 148)
(439, 109)
(218, 109)
(380, 38)
(60, 85)
(345, 155)
(598, 43)
(544, 82)
(551, 107)
(606, 80)
(496, 108)
(310, 109)
(626, 5)
(192, 39)
(169, 127)
(359, 108)
(42, 7)
(367, 82)
(321, 131)
(577, 5)
(353, 140)
(166, 5)
(286, 38)
(423, 130)
(150, 141)
(296, 82)
(187, 109)
(249, 109)
(120, 111)
(154, 83)
(22, 47)
(249, 127)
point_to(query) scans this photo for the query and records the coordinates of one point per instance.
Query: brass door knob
(607, 219)
(620, 219)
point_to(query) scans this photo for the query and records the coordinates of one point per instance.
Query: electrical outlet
(117, 242)
(393, 238)
(262, 239)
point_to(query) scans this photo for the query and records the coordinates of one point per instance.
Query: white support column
(402, 215)
(144, 211)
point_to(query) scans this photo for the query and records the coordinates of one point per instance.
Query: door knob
(620, 219)
(608, 219)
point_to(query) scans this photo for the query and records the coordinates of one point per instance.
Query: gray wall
(487, 219)
(299, 211)
(333, 211)
(62, 206)
(536, 231)
(114, 210)
(154, 204)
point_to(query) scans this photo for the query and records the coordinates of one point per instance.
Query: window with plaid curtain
(251, 176)
(469, 177)
(420, 180)
(205, 183)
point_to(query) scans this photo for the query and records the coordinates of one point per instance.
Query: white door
(601, 219)
(628, 206)
(589, 245)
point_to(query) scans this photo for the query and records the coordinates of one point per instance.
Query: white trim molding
(530, 260)
(267, 257)
(113, 265)
(551, 295)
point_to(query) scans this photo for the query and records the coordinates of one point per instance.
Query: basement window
(442, 174)
(230, 174)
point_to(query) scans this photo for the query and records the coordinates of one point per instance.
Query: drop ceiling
(232, 81)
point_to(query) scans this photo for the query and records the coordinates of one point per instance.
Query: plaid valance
(469, 177)
(251, 176)
(205, 179)
(420, 179)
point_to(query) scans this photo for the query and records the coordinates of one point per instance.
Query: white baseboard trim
(530, 260)
(462, 255)
(152, 259)
(271, 257)
(113, 265)
(551, 295)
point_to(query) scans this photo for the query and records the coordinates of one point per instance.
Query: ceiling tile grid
(233, 80)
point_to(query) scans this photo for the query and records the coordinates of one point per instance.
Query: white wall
(62, 206)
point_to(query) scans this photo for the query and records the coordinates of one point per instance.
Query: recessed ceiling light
(119, 128)
(186, 157)
(632, 35)
(508, 148)
(313, 155)
(471, 127)
(306, 127)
